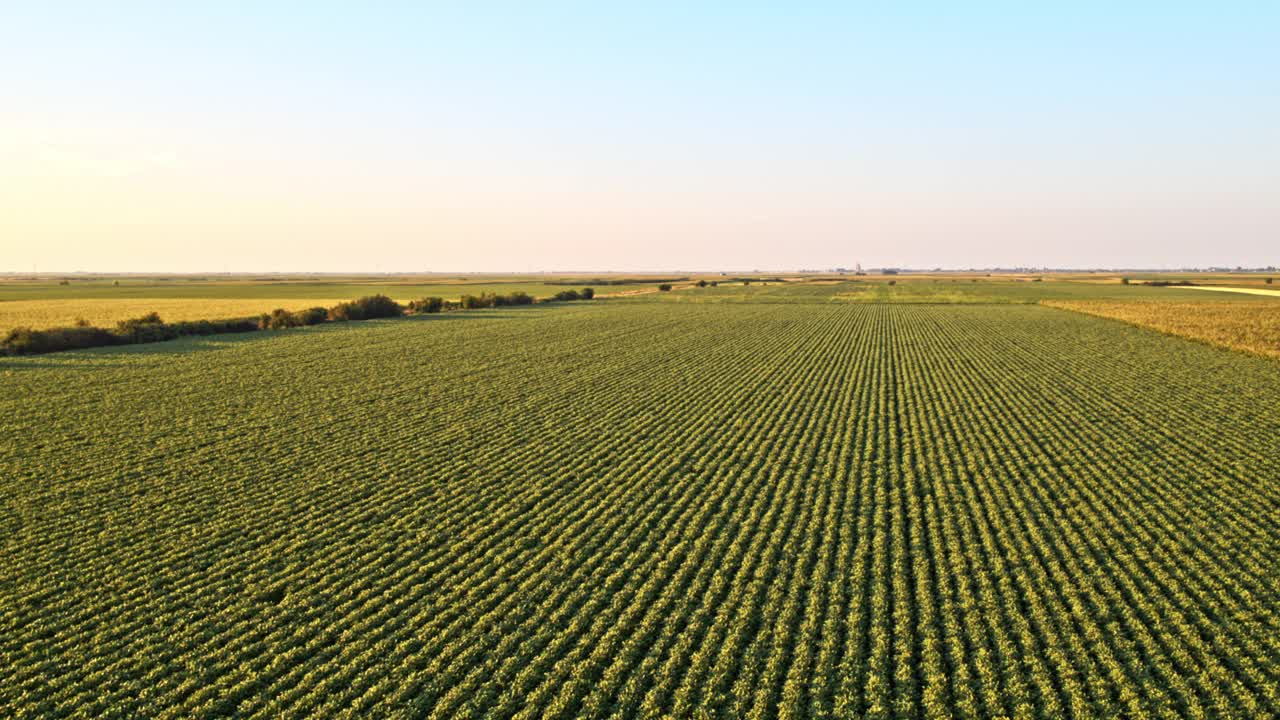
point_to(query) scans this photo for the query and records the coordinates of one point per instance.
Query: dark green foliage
(25, 341)
(588, 293)
(474, 302)
(702, 283)
(366, 308)
(492, 300)
(277, 319)
(664, 287)
(312, 316)
(426, 305)
(1124, 281)
(515, 298)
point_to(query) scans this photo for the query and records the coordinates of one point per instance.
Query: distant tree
(715, 283)
(746, 283)
(278, 319)
(664, 287)
(64, 282)
(311, 316)
(588, 294)
(366, 308)
(893, 282)
(702, 283)
(116, 283)
(1269, 280)
(427, 305)
(1124, 281)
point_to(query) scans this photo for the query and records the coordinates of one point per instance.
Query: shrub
(588, 294)
(427, 305)
(1269, 280)
(702, 283)
(471, 302)
(366, 308)
(664, 287)
(279, 319)
(715, 283)
(25, 341)
(515, 298)
(312, 316)
(893, 282)
(148, 328)
(566, 295)
(1124, 281)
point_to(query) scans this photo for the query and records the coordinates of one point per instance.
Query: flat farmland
(47, 304)
(646, 508)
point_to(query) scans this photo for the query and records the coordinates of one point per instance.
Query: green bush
(366, 308)
(278, 319)
(427, 305)
(472, 302)
(312, 316)
(664, 287)
(25, 341)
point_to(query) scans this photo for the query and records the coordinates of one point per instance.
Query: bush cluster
(492, 300)
(570, 295)
(280, 318)
(151, 328)
(366, 308)
(426, 305)
(664, 287)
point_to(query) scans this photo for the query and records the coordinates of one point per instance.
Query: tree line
(151, 328)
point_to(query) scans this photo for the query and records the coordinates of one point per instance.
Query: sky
(543, 136)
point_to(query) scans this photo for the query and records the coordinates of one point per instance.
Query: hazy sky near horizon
(523, 136)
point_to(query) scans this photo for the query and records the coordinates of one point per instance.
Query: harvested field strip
(1252, 326)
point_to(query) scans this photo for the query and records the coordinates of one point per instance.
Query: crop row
(645, 510)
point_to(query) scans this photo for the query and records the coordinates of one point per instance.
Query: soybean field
(646, 508)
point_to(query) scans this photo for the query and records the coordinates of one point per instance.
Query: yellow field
(40, 314)
(1250, 326)
(1246, 291)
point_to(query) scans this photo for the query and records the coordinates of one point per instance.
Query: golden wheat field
(1249, 326)
(41, 314)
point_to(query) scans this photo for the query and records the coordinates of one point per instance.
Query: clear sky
(518, 136)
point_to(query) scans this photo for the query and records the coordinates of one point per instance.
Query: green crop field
(942, 500)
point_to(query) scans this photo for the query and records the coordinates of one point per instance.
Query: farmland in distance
(776, 505)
